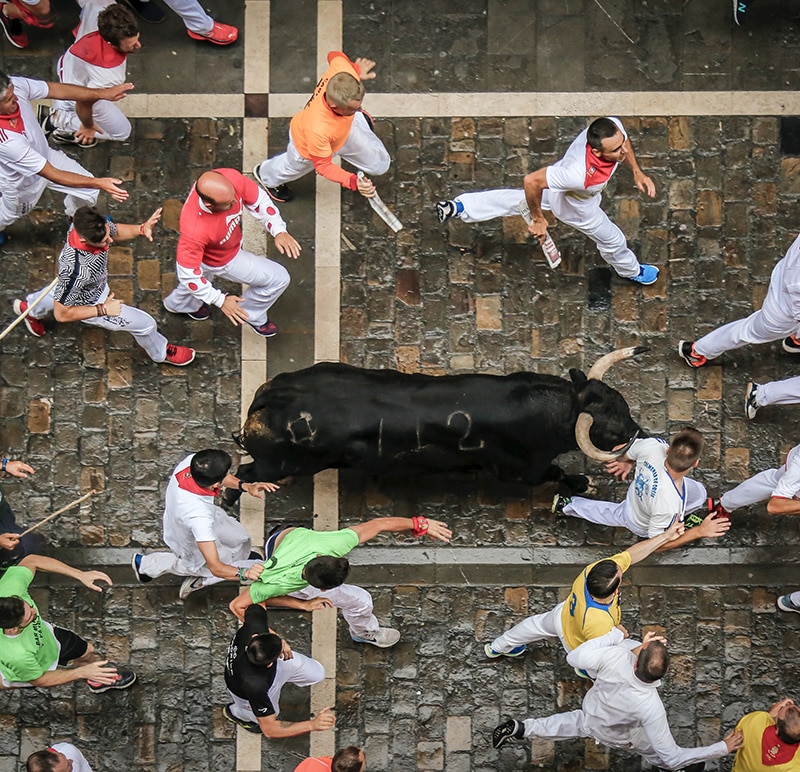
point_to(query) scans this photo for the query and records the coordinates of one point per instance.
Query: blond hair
(343, 88)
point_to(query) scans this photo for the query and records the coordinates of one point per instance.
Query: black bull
(387, 422)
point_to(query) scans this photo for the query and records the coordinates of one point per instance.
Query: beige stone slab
(323, 642)
(184, 106)
(248, 751)
(256, 46)
(323, 695)
(327, 314)
(329, 31)
(255, 137)
(326, 500)
(286, 105)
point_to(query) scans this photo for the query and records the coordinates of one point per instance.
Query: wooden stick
(30, 308)
(59, 512)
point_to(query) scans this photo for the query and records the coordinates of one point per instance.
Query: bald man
(210, 245)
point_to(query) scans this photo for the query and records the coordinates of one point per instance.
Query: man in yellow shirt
(592, 608)
(771, 740)
(331, 122)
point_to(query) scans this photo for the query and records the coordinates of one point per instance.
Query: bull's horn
(582, 427)
(600, 367)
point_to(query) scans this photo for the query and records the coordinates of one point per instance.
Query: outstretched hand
(18, 469)
(365, 66)
(88, 579)
(439, 530)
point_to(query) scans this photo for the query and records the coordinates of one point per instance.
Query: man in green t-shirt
(31, 649)
(306, 569)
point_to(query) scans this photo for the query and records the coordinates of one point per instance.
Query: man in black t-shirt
(257, 665)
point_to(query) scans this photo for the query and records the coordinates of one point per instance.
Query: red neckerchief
(598, 171)
(186, 482)
(12, 122)
(74, 240)
(773, 750)
(92, 48)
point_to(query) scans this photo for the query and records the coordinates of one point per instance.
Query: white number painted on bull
(304, 421)
(462, 441)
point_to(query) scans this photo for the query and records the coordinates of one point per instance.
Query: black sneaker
(61, 137)
(559, 502)
(446, 210)
(791, 345)
(740, 8)
(686, 350)
(12, 28)
(125, 679)
(147, 9)
(750, 404)
(505, 732)
(248, 726)
(281, 194)
(43, 113)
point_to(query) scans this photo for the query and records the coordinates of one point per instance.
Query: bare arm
(640, 179)
(129, 231)
(777, 505)
(711, 528)
(41, 563)
(215, 565)
(534, 184)
(110, 305)
(74, 93)
(94, 671)
(272, 728)
(643, 549)
(372, 528)
(72, 180)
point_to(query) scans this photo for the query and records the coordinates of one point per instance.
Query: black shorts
(72, 645)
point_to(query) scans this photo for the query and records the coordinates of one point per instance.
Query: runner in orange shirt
(349, 759)
(331, 122)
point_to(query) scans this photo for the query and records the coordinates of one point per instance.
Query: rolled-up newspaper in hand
(551, 252)
(383, 211)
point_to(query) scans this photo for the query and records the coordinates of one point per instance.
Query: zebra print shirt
(82, 273)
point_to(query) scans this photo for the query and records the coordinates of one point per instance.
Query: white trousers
(112, 122)
(772, 322)
(609, 513)
(585, 215)
(355, 603)
(534, 628)
(131, 320)
(265, 278)
(362, 149)
(300, 670)
(786, 392)
(16, 203)
(757, 488)
(233, 547)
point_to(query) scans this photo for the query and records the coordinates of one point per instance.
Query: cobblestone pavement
(83, 406)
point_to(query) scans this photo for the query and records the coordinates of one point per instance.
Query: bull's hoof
(575, 483)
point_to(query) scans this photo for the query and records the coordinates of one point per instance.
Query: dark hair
(788, 727)
(685, 449)
(652, 662)
(115, 23)
(90, 224)
(12, 611)
(602, 579)
(41, 761)
(347, 760)
(5, 82)
(326, 572)
(264, 649)
(600, 129)
(209, 467)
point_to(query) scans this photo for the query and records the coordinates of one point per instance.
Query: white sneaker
(190, 584)
(384, 638)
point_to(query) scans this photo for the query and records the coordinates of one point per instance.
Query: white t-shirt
(788, 486)
(90, 66)
(653, 499)
(23, 146)
(79, 763)
(188, 516)
(571, 173)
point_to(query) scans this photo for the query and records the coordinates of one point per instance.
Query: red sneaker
(179, 355)
(266, 330)
(12, 28)
(220, 35)
(35, 326)
(690, 356)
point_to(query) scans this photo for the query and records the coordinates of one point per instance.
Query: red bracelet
(420, 525)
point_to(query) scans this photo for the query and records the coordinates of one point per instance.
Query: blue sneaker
(136, 565)
(517, 651)
(648, 274)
